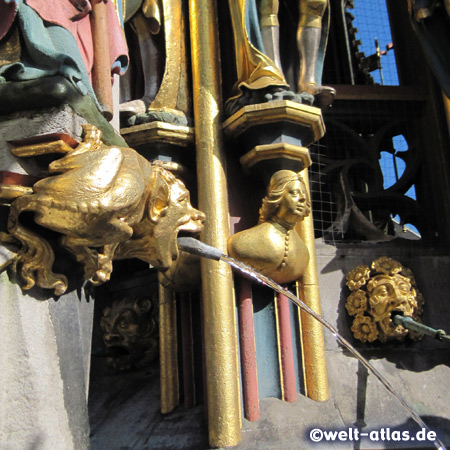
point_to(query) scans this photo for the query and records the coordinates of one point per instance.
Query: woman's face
(293, 202)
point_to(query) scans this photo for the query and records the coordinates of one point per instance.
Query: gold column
(447, 109)
(168, 350)
(222, 382)
(312, 333)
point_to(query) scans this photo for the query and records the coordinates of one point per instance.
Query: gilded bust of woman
(273, 247)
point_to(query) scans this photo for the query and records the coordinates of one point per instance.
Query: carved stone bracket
(273, 136)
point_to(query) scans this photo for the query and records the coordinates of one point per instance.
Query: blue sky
(371, 19)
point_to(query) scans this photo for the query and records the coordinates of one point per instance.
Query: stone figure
(40, 39)
(431, 22)
(108, 203)
(312, 35)
(259, 79)
(256, 33)
(130, 332)
(273, 247)
(160, 29)
(378, 292)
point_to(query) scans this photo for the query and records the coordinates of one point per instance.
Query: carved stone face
(293, 202)
(130, 333)
(181, 216)
(170, 212)
(377, 294)
(389, 293)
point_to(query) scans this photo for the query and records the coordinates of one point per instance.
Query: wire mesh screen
(372, 22)
(366, 177)
(365, 171)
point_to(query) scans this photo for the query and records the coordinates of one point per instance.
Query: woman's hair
(275, 191)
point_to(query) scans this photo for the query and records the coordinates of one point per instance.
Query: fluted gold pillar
(315, 369)
(447, 109)
(168, 351)
(219, 319)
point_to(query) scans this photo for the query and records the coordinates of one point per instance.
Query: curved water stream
(198, 248)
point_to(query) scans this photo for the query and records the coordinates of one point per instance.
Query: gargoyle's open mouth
(121, 357)
(192, 229)
(115, 351)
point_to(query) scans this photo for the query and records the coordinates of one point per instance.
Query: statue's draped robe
(57, 40)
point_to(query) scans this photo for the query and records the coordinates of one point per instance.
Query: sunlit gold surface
(279, 351)
(174, 90)
(276, 111)
(312, 333)
(271, 151)
(447, 109)
(58, 146)
(222, 378)
(268, 11)
(107, 202)
(10, 192)
(311, 13)
(273, 247)
(255, 70)
(377, 292)
(168, 350)
(158, 132)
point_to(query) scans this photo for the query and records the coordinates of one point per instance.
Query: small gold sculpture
(108, 203)
(378, 292)
(130, 332)
(273, 247)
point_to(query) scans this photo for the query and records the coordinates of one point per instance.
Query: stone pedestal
(44, 369)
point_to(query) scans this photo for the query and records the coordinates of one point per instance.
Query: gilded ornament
(273, 247)
(387, 265)
(108, 203)
(130, 332)
(364, 328)
(356, 303)
(357, 277)
(379, 293)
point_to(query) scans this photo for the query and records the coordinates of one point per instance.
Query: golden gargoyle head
(379, 291)
(107, 203)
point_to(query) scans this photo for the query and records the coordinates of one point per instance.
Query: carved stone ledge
(308, 119)
(274, 136)
(298, 157)
(158, 132)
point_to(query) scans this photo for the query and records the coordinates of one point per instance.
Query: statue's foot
(265, 95)
(323, 95)
(134, 107)
(168, 115)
